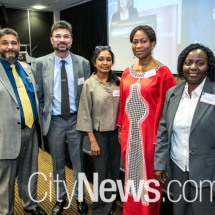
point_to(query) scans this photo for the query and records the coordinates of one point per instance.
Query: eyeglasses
(58, 36)
(103, 47)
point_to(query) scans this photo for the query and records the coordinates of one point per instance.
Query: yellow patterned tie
(25, 101)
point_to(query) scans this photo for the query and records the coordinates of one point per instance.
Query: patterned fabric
(137, 109)
(141, 102)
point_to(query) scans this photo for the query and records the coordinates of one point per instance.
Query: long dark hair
(111, 75)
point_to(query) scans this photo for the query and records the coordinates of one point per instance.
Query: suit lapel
(27, 71)
(6, 82)
(75, 72)
(173, 104)
(50, 72)
(202, 107)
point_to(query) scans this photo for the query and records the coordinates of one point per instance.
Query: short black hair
(147, 30)
(211, 59)
(62, 25)
(112, 75)
(9, 31)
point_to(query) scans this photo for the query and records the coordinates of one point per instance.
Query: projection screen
(177, 23)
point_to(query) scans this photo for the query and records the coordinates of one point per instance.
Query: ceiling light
(38, 7)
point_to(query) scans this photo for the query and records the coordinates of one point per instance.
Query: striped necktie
(25, 101)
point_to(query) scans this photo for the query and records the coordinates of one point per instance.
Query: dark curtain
(40, 26)
(89, 24)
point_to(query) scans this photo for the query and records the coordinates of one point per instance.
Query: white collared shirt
(181, 127)
(56, 107)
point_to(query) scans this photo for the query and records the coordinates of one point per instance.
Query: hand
(160, 175)
(213, 194)
(95, 150)
(119, 134)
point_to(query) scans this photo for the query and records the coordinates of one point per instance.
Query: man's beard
(66, 49)
(9, 58)
(61, 50)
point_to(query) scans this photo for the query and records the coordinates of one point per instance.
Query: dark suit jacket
(133, 14)
(202, 136)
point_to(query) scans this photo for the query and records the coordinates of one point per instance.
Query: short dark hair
(211, 59)
(112, 75)
(147, 30)
(9, 31)
(62, 25)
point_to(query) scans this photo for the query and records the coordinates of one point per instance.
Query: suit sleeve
(162, 143)
(39, 82)
(87, 71)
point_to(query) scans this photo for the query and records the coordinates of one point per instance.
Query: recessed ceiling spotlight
(38, 7)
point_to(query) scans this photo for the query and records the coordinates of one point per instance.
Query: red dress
(141, 102)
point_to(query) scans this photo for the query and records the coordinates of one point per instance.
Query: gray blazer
(44, 80)
(10, 130)
(202, 136)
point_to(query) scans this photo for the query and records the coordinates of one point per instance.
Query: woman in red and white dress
(142, 93)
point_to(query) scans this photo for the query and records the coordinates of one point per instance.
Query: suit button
(191, 152)
(17, 108)
(18, 123)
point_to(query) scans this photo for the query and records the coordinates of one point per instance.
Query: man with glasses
(60, 77)
(19, 111)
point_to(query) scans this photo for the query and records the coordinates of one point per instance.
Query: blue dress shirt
(56, 105)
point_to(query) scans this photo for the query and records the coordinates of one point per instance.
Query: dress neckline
(142, 75)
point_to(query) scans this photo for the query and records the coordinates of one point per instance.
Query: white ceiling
(49, 5)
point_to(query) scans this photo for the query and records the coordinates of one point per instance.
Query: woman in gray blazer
(186, 139)
(97, 114)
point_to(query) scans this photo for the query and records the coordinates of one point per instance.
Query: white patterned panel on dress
(137, 110)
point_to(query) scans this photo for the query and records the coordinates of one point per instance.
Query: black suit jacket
(133, 14)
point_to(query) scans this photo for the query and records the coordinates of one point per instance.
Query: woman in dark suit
(186, 137)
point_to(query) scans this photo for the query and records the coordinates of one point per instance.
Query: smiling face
(103, 62)
(9, 48)
(141, 45)
(123, 3)
(61, 40)
(195, 68)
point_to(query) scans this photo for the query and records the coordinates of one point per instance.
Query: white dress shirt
(56, 107)
(181, 127)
